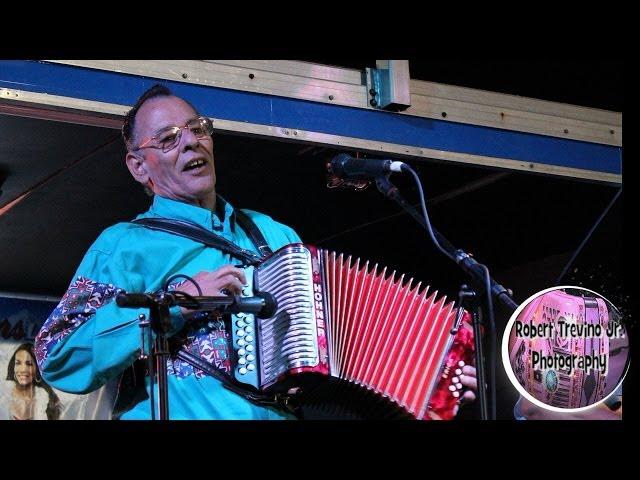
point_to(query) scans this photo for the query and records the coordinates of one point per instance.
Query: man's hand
(227, 280)
(469, 380)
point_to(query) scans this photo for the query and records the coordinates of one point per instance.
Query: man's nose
(189, 139)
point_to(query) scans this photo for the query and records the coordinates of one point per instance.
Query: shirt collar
(168, 208)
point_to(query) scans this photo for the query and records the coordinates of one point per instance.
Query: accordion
(352, 335)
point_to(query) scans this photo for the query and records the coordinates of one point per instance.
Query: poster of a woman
(26, 396)
(23, 392)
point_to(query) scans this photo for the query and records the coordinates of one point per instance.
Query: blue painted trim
(378, 126)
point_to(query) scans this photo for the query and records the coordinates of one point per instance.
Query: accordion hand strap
(274, 400)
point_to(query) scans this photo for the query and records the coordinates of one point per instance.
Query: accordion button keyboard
(243, 338)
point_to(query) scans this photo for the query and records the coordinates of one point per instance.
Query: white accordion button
(250, 358)
(456, 394)
(240, 323)
(458, 371)
(249, 338)
(241, 351)
(452, 388)
(242, 361)
(461, 363)
(455, 379)
(459, 386)
(251, 367)
(242, 371)
(240, 333)
(248, 329)
(241, 342)
(249, 348)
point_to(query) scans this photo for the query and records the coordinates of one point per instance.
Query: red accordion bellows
(387, 334)
(340, 318)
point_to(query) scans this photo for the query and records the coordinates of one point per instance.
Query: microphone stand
(467, 299)
(477, 274)
(160, 323)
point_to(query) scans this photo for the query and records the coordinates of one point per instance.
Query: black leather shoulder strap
(253, 232)
(199, 234)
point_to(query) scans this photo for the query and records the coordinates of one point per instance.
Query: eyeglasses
(169, 138)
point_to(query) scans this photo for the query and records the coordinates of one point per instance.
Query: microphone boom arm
(463, 259)
(262, 304)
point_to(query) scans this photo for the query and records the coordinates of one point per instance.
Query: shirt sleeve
(88, 340)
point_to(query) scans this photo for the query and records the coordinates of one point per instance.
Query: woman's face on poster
(25, 368)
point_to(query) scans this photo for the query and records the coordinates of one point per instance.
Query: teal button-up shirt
(88, 340)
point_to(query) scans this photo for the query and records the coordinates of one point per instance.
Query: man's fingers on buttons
(241, 276)
(236, 272)
(233, 284)
(237, 285)
(225, 270)
(469, 370)
(468, 397)
(468, 381)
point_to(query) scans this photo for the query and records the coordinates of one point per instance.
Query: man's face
(171, 174)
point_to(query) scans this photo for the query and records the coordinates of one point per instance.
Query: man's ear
(137, 167)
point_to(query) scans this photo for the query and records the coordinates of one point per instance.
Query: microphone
(263, 304)
(346, 166)
(136, 300)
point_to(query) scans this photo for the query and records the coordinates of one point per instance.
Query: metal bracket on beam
(388, 85)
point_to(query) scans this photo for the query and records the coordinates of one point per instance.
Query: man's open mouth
(194, 165)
